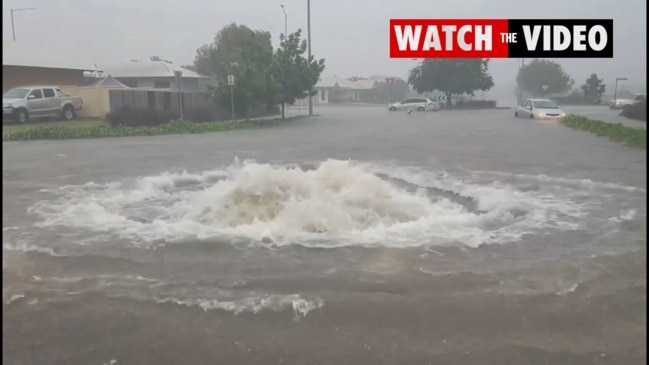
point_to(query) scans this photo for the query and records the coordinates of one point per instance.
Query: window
(37, 94)
(48, 93)
(16, 93)
(162, 84)
(545, 104)
(323, 95)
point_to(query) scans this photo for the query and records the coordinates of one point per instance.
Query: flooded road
(356, 237)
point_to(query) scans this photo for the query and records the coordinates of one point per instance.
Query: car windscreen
(16, 93)
(545, 104)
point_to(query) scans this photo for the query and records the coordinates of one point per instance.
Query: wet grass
(12, 127)
(632, 137)
(101, 129)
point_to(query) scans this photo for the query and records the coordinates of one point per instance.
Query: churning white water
(331, 204)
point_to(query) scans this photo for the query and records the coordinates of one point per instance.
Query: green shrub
(174, 127)
(474, 104)
(637, 111)
(633, 137)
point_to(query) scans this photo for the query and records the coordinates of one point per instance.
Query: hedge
(633, 137)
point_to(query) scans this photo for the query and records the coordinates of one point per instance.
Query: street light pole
(616, 80)
(308, 31)
(285, 22)
(13, 29)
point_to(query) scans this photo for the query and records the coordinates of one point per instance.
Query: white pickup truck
(24, 103)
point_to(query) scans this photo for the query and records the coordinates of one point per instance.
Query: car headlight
(540, 115)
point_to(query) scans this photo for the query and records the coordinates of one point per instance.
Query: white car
(418, 104)
(623, 103)
(539, 109)
(619, 103)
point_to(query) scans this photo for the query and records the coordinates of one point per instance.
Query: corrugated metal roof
(147, 69)
(19, 54)
(108, 81)
(364, 84)
(335, 82)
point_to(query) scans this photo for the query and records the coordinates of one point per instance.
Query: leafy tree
(593, 89)
(247, 55)
(295, 75)
(537, 73)
(399, 90)
(451, 76)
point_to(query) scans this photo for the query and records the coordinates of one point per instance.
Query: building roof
(108, 81)
(341, 83)
(19, 54)
(364, 84)
(148, 69)
(381, 78)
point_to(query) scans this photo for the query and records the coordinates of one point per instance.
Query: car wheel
(68, 113)
(421, 109)
(515, 114)
(393, 109)
(532, 116)
(21, 116)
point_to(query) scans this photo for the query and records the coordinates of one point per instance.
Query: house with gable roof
(157, 75)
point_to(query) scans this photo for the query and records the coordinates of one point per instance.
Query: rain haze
(351, 36)
(250, 206)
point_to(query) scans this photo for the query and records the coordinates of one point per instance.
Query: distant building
(24, 66)
(337, 90)
(157, 75)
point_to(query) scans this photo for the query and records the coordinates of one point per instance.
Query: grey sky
(351, 35)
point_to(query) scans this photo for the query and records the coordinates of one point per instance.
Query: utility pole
(178, 74)
(308, 31)
(231, 84)
(13, 29)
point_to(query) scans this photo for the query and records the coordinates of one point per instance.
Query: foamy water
(330, 204)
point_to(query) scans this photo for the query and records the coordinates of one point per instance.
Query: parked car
(418, 104)
(539, 109)
(620, 103)
(24, 103)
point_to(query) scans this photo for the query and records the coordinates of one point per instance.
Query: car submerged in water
(418, 104)
(539, 109)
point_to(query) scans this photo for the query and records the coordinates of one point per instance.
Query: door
(419, 103)
(405, 104)
(36, 104)
(51, 103)
(526, 111)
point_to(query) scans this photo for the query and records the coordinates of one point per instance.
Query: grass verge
(77, 123)
(105, 131)
(632, 137)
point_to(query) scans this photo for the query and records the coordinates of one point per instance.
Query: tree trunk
(449, 101)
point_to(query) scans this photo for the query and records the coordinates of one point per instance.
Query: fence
(98, 101)
(156, 100)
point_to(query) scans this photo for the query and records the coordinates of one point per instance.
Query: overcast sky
(351, 35)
